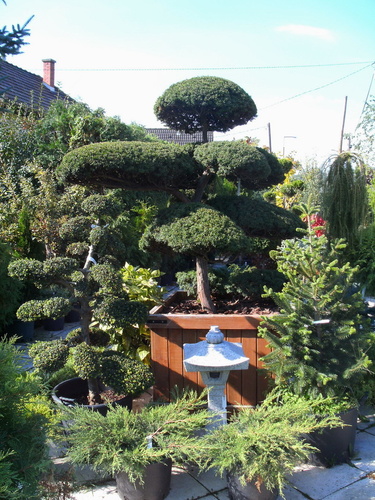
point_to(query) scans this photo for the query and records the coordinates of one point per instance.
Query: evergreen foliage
(267, 220)
(345, 204)
(12, 41)
(186, 174)
(194, 229)
(240, 282)
(91, 282)
(10, 289)
(203, 104)
(66, 126)
(266, 443)
(23, 450)
(363, 257)
(135, 165)
(171, 428)
(320, 338)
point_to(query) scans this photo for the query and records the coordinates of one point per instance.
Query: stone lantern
(214, 358)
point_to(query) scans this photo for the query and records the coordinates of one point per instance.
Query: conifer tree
(320, 338)
(345, 204)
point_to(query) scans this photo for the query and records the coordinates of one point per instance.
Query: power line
(301, 94)
(234, 68)
(316, 88)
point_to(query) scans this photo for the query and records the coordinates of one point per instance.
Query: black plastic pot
(71, 390)
(54, 325)
(236, 491)
(156, 485)
(73, 317)
(23, 329)
(335, 445)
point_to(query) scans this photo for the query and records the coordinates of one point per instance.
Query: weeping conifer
(345, 202)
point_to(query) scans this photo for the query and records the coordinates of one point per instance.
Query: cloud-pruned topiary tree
(198, 227)
(205, 103)
(193, 228)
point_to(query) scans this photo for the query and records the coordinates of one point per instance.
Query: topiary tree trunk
(203, 288)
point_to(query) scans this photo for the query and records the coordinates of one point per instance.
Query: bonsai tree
(320, 338)
(262, 445)
(194, 224)
(205, 103)
(93, 285)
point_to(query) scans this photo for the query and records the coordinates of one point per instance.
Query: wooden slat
(205, 321)
(175, 358)
(262, 384)
(170, 332)
(160, 363)
(250, 376)
(190, 378)
(234, 384)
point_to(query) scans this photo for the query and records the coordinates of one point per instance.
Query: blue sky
(121, 55)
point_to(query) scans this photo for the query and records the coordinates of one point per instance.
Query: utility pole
(269, 137)
(343, 125)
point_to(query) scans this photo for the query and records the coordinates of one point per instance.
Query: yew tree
(205, 103)
(195, 223)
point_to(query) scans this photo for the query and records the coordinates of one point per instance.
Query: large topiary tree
(200, 227)
(189, 226)
(205, 103)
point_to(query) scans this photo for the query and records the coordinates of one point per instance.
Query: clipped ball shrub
(49, 356)
(124, 375)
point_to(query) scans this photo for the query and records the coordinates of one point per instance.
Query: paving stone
(291, 493)
(99, 492)
(318, 482)
(365, 452)
(212, 481)
(363, 489)
(184, 486)
(222, 495)
(370, 429)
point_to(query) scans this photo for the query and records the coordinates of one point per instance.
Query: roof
(27, 88)
(169, 135)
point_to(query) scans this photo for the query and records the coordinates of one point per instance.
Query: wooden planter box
(170, 331)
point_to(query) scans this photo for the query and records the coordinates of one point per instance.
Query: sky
(300, 61)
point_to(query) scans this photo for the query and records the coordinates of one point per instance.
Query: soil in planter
(248, 307)
(108, 396)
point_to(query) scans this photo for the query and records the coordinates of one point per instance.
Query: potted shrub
(91, 279)
(139, 448)
(260, 446)
(320, 339)
(196, 223)
(117, 377)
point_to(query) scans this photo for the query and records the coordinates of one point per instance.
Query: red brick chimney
(49, 72)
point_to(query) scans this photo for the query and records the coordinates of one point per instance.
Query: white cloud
(301, 29)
